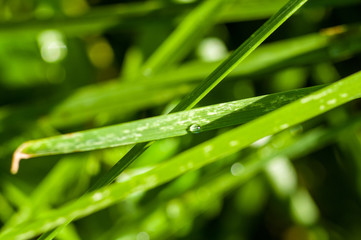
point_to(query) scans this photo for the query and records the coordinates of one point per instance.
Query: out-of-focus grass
(76, 65)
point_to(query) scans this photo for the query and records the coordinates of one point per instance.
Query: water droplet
(194, 128)
(174, 209)
(237, 169)
(97, 197)
(143, 236)
(284, 126)
(332, 101)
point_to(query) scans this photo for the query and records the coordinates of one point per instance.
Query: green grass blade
(160, 127)
(184, 37)
(223, 145)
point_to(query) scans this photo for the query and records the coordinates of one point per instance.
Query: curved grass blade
(160, 127)
(223, 145)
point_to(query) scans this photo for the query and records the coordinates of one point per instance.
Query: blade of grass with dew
(160, 127)
(179, 43)
(114, 99)
(223, 145)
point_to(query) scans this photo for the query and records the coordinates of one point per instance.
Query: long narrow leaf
(172, 125)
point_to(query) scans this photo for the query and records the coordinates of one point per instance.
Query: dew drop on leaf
(194, 128)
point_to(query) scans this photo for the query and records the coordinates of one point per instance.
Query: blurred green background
(69, 65)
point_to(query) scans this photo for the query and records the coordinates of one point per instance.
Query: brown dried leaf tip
(17, 156)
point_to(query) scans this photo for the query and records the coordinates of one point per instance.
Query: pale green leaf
(172, 125)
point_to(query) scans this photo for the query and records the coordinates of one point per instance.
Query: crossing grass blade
(221, 146)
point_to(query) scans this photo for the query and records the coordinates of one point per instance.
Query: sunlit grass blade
(178, 44)
(172, 125)
(223, 145)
